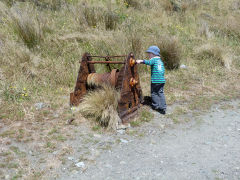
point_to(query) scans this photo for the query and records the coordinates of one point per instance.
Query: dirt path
(208, 147)
(199, 147)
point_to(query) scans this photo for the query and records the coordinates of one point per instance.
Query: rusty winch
(125, 79)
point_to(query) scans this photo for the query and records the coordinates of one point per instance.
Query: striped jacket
(157, 69)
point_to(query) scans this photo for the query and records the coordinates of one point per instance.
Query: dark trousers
(158, 97)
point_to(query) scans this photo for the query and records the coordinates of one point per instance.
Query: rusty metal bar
(109, 56)
(129, 112)
(106, 62)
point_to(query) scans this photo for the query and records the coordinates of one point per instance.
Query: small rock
(80, 165)
(183, 66)
(97, 153)
(123, 162)
(162, 126)
(74, 172)
(56, 115)
(123, 141)
(55, 152)
(108, 166)
(40, 106)
(97, 135)
(153, 142)
(7, 177)
(121, 131)
(70, 158)
(123, 126)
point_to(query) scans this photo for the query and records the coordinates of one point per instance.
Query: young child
(157, 79)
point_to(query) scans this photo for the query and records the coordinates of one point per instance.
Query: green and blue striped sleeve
(149, 62)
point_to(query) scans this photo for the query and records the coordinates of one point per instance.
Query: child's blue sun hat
(154, 49)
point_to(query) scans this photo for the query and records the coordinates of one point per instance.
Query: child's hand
(139, 61)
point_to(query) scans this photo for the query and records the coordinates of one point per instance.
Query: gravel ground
(207, 147)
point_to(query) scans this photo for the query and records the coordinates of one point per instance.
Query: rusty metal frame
(127, 82)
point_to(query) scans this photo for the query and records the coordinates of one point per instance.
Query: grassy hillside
(41, 43)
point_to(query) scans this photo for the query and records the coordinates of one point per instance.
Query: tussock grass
(136, 44)
(53, 5)
(232, 26)
(215, 55)
(28, 26)
(96, 16)
(171, 5)
(170, 52)
(132, 3)
(101, 106)
(92, 15)
(204, 30)
(111, 20)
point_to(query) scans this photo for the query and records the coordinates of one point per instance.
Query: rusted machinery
(125, 79)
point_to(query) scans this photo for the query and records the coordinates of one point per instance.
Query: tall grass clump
(136, 44)
(214, 55)
(132, 3)
(51, 4)
(111, 20)
(101, 106)
(230, 26)
(28, 26)
(3, 10)
(92, 15)
(170, 52)
(171, 6)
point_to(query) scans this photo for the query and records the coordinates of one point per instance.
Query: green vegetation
(42, 41)
(145, 115)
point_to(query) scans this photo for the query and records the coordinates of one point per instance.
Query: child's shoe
(162, 111)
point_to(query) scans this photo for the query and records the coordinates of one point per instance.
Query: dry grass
(214, 55)
(91, 15)
(136, 43)
(179, 6)
(170, 52)
(101, 105)
(171, 5)
(111, 20)
(228, 26)
(45, 71)
(28, 26)
(132, 3)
